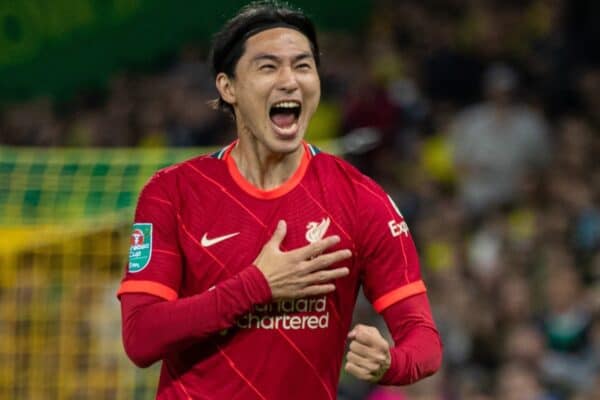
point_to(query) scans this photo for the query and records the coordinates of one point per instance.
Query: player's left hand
(369, 356)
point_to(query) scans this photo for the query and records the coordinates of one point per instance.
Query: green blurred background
(56, 47)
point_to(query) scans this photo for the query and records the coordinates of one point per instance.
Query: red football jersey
(200, 222)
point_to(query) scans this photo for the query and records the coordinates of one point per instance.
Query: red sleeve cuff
(150, 287)
(388, 377)
(399, 294)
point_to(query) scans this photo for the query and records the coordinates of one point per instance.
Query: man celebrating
(245, 264)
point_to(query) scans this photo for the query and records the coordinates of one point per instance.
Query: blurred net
(65, 219)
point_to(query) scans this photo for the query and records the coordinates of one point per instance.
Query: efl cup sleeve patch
(140, 250)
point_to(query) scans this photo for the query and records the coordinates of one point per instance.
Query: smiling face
(275, 91)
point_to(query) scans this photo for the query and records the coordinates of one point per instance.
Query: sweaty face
(276, 90)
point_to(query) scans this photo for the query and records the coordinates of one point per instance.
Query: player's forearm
(417, 351)
(154, 328)
(416, 357)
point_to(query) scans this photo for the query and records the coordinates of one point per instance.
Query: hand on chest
(229, 234)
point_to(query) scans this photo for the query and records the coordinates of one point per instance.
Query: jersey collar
(279, 191)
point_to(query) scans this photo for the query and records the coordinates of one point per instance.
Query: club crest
(315, 231)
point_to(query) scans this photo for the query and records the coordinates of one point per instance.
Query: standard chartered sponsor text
(293, 314)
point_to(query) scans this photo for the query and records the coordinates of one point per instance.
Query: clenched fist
(369, 356)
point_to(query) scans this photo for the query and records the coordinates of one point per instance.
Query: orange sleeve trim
(150, 287)
(398, 294)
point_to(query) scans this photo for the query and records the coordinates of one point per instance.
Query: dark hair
(228, 44)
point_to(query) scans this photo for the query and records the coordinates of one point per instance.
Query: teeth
(287, 104)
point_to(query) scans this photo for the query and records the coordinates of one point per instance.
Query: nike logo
(206, 242)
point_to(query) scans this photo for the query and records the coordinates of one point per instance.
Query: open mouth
(284, 115)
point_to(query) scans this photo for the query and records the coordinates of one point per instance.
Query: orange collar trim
(279, 191)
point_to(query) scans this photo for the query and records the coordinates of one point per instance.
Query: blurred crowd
(481, 118)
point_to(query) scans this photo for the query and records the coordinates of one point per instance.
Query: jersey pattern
(208, 223)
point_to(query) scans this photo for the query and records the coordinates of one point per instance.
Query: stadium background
(481, 118)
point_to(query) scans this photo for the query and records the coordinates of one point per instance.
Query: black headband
(267, 26)
(240, 40)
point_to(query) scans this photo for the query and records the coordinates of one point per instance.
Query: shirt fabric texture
(208, 224)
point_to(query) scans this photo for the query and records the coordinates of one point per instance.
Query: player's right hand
(300, 272)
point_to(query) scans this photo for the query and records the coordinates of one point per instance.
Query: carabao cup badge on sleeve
(140, 250)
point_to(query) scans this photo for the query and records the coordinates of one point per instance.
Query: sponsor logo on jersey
(398, 228)
(206, 242)
(292, 314)
(315, 231)
(140, 250)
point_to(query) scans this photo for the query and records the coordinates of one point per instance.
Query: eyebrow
(272, 57)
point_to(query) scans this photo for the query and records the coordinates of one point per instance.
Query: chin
(287, 146)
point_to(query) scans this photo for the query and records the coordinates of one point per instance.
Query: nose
(287, 81)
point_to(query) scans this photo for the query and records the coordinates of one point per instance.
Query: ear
(225, 87)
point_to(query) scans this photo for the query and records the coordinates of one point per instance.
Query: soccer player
(245, 265)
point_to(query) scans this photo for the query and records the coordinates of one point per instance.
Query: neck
(262, 167)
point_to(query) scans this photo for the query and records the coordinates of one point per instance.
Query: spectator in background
(496, 143)
(566, 323)
(517, 382)
(33, 123)
(190, 122)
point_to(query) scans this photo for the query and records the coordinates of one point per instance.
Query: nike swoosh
(206, 242)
